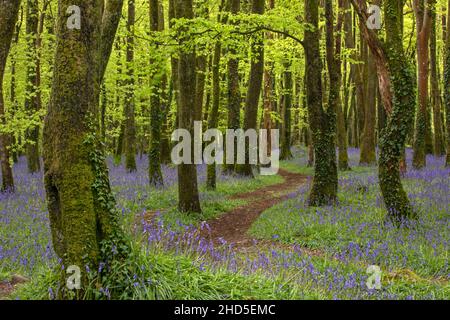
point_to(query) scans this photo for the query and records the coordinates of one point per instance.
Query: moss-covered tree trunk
(447, 84)
(322, 121)
(9, 10)
(33, 95)
(156, 103)
(269, 90)
(397, 89)
(422, 10)
(187, 173)
(368, 156)
(213, 118)
(436, 101)
(234, 91)
(254, 87)
(334, 61)
(286, 108)
(129, 103)
(82, 211)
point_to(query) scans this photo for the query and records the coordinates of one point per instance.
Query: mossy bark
(288, 88)
(447, 84)
(254, 87)
(156, 103)
(334, 48)
(130, 123)
(8, 17)
(213, 119)
(396, 84)
(234, 91)
(436, 101)
(33, 95)
(82, 211)
(187, 173)
(322, 121)
(393, 138)
(421, 136)
(368, 156)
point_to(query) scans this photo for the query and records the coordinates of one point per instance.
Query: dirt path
(233, 225)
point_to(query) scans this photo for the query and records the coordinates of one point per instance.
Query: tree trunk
(286, 153)
(396, 83)
(234, 91)
(83, 216)
(335, 74)
(213, 118)
(8, 17)
(33, 95)
(423, 23)
(322, 122)
(156, 103)
(368, 156)
(447, 83)
(254, 88)
(187, 173)
(439, 149)
(130, 123)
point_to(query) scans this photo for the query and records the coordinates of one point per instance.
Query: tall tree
(286, 111)
(349, 91)
(447, 83)
(130, 123)
(269, 89)
(322, 121)
(234, 92)
(187, 173)
(213, 117)
(396, 84)
(254, 86)
(9, 10)
(83, 216)
(436, 101)
(33, 95)
(368, 156)
(423, 11)
(158, 79)
(334, 61)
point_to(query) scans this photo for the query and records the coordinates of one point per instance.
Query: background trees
(241, 64)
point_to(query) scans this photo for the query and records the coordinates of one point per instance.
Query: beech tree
(322, 121)
(187, 173)
(254, 86)
(8, 17)
(33, 95)
(423, 11)
(447, 83)
(396, 83)
(83, 216)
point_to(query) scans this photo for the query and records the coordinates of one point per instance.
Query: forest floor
(256, 238)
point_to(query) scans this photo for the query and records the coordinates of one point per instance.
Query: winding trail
(233, 225)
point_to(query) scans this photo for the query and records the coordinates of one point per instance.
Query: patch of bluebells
(25, 240)
(357, 229)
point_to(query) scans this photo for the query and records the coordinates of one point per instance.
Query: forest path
(232, 226)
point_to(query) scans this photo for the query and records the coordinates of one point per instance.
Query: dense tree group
(137, 70)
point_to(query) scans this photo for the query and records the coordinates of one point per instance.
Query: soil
(233, 226)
